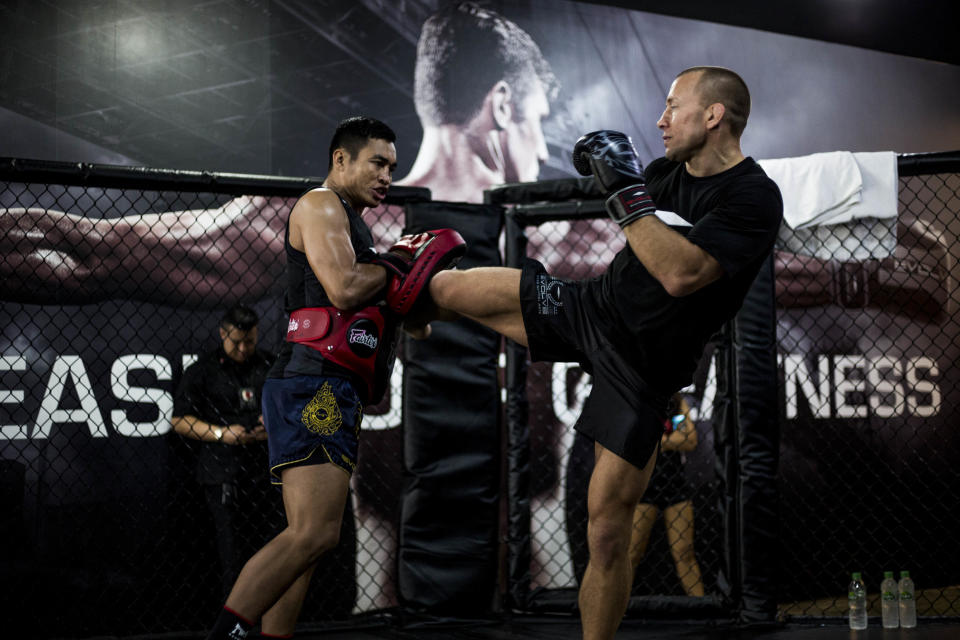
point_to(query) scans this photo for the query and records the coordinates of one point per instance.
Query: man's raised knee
(441, 287)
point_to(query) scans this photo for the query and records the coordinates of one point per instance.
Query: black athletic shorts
(668, 485)
(563, 324)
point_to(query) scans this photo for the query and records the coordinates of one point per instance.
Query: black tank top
(304, 290)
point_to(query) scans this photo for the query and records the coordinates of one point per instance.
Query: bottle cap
(888, 574)
(856, 575)
(904, 574)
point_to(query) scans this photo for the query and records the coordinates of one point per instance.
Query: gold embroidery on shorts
(322, 414)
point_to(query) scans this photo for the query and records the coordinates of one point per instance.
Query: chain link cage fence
(867, 326)
(114, 282)
(868, 329)
(110, 291)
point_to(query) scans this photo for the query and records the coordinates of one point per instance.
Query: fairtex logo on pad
(363, 337)
(360, 336)
(293, 325)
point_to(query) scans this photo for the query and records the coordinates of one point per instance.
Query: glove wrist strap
(630, 204)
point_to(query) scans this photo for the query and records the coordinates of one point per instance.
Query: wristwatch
(218, 433)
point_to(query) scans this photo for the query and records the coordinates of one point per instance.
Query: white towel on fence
(835, 187)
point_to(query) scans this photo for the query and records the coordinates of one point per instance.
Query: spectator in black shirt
(218, 404)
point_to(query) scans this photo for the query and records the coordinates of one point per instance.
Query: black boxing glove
(611, 158)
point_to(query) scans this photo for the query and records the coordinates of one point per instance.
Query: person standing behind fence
(669, 492)
(217, 403)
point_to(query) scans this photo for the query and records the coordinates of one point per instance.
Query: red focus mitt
(413, 260)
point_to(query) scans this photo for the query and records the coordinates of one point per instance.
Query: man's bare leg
(488, 295)
(616, 487)
(678, 519)
(644, 518)
(313, 498)
(281, 618)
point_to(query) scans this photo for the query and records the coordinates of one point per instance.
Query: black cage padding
(563, 190)
(107, 176)
(448, 554)
(747, 447)
(918, 164)
(518, 445)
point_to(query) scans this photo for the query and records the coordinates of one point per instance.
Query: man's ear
(339, 158)
(501, 103)
(715, 114)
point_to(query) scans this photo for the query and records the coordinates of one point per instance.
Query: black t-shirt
(222, 392)
(304, 290)
(735, 216)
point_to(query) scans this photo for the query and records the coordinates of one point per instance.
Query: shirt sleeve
(654, 175)
(186, 399)
(743, 227)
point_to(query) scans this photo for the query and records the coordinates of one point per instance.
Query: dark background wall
(257, 86)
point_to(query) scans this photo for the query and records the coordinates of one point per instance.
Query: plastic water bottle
(888, 601)
(857, 596)
(908, 605)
